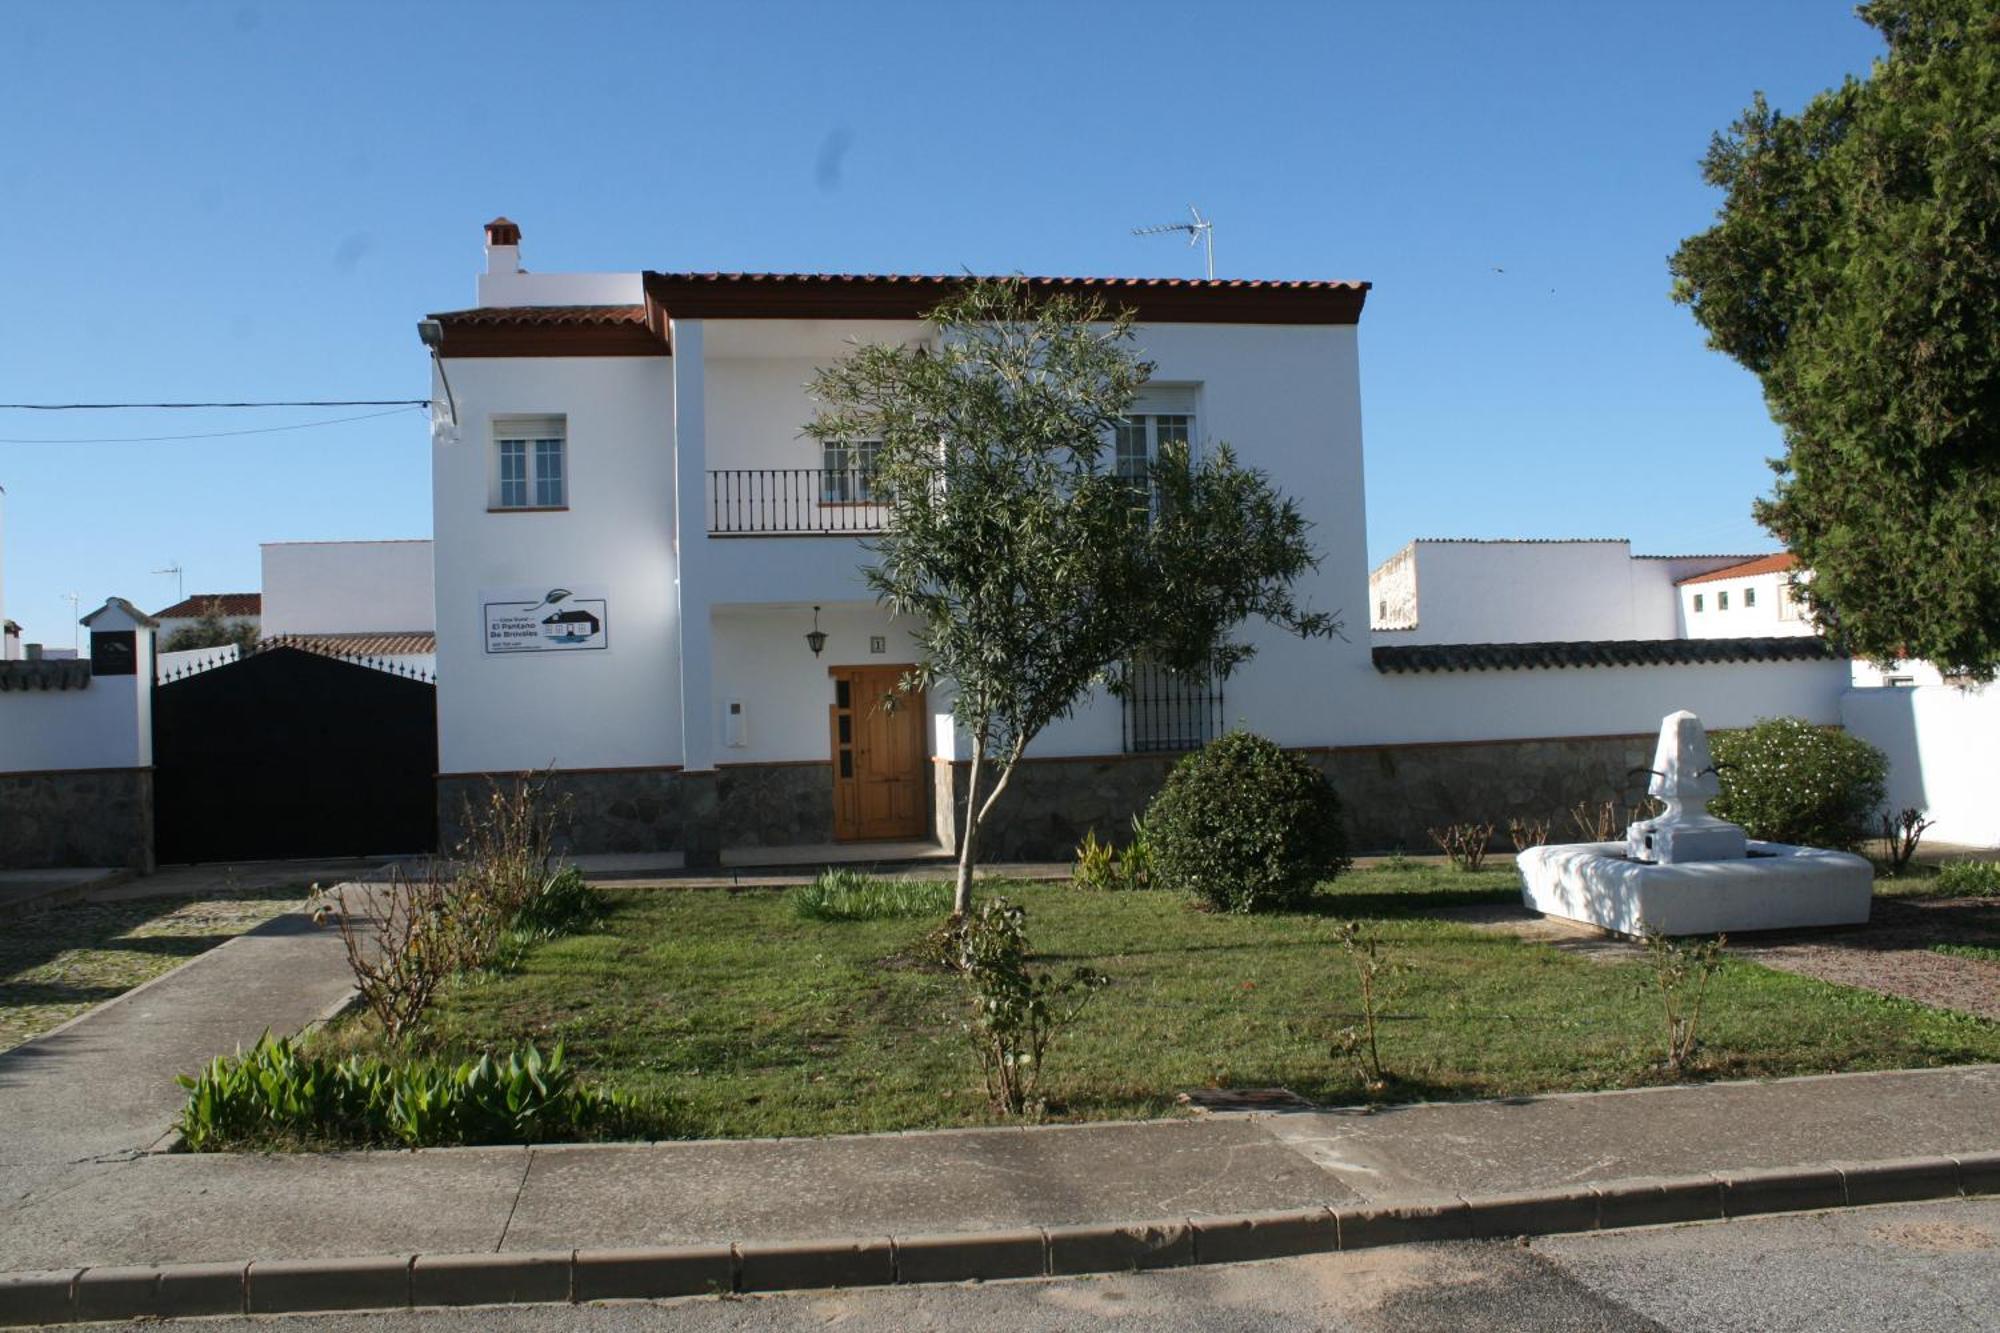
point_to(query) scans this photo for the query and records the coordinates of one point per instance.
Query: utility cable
(219, 434)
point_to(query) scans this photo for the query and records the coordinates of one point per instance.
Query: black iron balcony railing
(745, 501)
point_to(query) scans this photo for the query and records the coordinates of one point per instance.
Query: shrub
(1682, 970)
(1526, 833)
(1465, 844)
(1101, 866)
(1786, 780)
(1901, 834)
(1096, 863)
(1366, 949)
(1245, 826)
(1969, 879)
(849, 895)
(1017, 1013)
(403, 938)
(275, 1094)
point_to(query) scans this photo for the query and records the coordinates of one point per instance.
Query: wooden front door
(881, 787)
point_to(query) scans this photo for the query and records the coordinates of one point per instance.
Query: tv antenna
(1200, 231)
(180, 593)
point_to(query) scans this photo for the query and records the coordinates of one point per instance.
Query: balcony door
(881, 772)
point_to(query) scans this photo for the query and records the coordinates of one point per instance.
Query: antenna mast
(1200, 231)
(180, 593)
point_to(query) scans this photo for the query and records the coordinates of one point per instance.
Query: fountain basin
(1776, 887)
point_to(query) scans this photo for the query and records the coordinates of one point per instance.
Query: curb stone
(406, 1281)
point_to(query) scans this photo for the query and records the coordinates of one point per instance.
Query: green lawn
(755, 1022)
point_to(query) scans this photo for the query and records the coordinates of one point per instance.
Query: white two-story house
(639, 549)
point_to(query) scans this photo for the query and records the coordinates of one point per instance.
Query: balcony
(793, 502)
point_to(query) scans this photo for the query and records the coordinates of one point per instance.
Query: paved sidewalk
(182, 1208)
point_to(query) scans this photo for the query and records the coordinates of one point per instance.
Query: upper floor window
(1749, 598)
(1788, 604)
(531, 470)
(1722, 601)
(1137, 438)
(1697, 603)
(848, 473)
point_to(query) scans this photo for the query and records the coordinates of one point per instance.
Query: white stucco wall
(107, 724)
(348, 587)
(1943, 745)
(762, 659)
(610, 708)
(1596, 701)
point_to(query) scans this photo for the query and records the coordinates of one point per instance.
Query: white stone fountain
(1687, 872)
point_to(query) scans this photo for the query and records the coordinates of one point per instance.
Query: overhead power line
(296, 402)
(219, 434)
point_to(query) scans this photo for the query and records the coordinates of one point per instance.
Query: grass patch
(749, 1019)
(849, 895)
(60, 961)
(1983, 953)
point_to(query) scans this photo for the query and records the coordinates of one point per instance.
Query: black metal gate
(288, 753)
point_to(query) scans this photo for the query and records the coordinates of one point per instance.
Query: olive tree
(1032, 569)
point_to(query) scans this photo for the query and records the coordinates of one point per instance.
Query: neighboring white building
(1467, 590)
(1749, 600)
(369, 600)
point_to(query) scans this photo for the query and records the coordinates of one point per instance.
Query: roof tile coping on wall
(1406, 658)
(46, 674)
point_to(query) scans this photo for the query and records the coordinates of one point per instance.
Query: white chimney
(503, 247)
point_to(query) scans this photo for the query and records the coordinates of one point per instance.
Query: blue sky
(244, 200)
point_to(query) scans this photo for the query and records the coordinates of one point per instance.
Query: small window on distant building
(1899, 682)
(1697, 603)
(531, 471)
(1381, 610)
(1749, 598)
(1722, 601)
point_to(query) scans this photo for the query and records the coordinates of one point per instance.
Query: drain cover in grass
(1209, 1101)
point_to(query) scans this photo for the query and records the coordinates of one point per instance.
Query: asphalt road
(1932, 1267)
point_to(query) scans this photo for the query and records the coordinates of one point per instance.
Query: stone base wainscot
(77, 817)
(1392, 794)
(667, 809)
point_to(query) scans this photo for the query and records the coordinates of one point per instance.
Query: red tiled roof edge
(910, 296)
(232, 604)
(1763, 564)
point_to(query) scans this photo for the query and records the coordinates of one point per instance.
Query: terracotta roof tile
(544, 316)
(1763, 564)
(232, 604)
(411, 643)
(1402, 659)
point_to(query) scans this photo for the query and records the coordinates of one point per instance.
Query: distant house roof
(643, 329)
(1401, 658)
(1763, 564)
(230, 604)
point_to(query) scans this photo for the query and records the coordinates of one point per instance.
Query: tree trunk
(961, 898)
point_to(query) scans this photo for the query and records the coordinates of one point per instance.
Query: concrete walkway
(99, 1091)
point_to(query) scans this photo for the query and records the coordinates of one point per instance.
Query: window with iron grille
(849, 470)
(1170, 710)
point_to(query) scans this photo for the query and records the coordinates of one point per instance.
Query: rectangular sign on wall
(545, 620)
